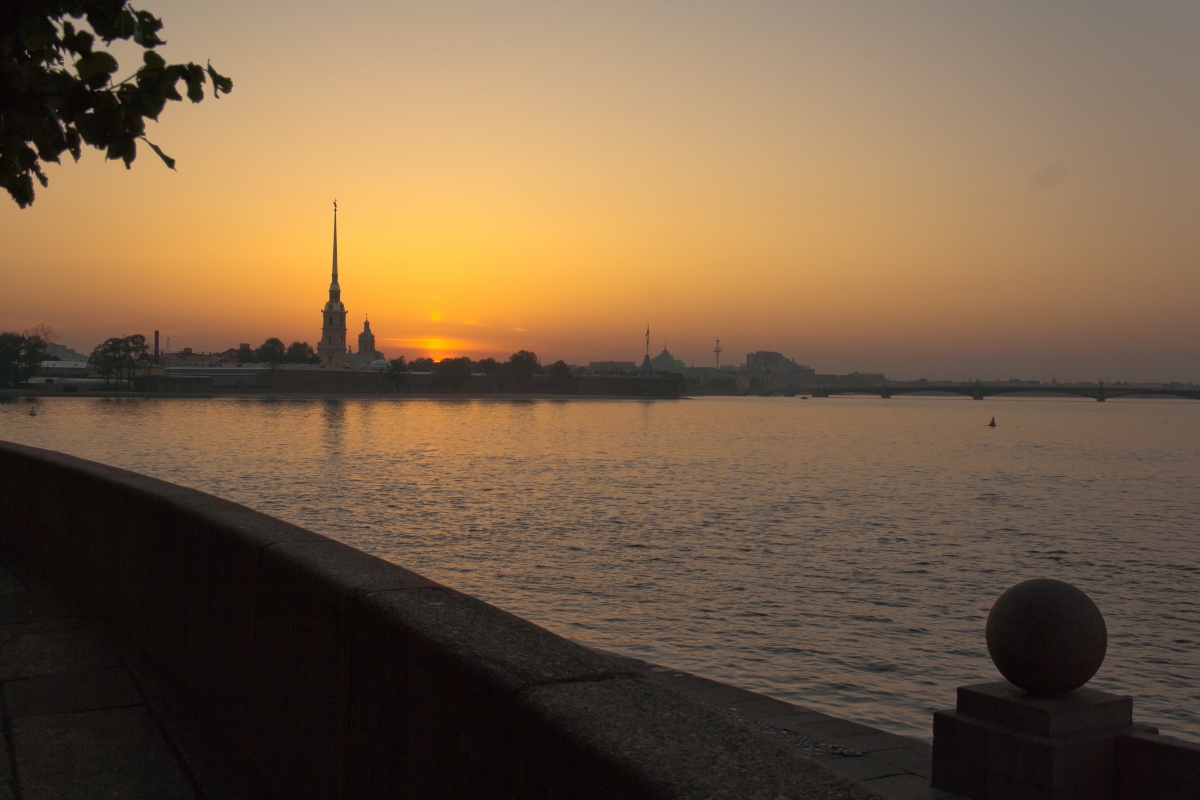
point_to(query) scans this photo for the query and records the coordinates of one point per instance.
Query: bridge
(980, 390)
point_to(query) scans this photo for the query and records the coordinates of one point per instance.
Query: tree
(244, 354)
(272, 352)
(421, 365)
(20, 356)
(301, 353)
(522, 365)
(120, 357)
(495, 373)
(451, 374)
(44, 332)
(104, 359)
(57, 91)
(562, 378)
(397, 371)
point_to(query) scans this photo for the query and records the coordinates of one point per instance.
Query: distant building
(77, 367)
(332, 347)
(666, 361)
(772, 370)
(63, 353)
(771, 361)
(612, 367)
(367, 355)
(187, 358)
(366, 341)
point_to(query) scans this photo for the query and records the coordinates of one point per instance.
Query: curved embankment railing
(339, 675)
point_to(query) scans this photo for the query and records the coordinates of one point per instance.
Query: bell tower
(332, 347)
(366, 341)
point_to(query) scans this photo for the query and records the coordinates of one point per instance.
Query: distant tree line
(274, 352)
(20, 356)
(515, 374)
(120, 358)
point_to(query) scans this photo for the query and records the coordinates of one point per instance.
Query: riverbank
(14, 394)
(333, 673)
(88, 715)
(842, 549)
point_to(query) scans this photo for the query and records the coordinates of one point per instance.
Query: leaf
(95, 68)
(88, 129)
(77, 41)
(21, 189)
(73, 142)
(153, 60)
(150, 104)
(146, 28)
(124, 148)
(170, 162)
(81, 43)
(220, 82)
(194, 77)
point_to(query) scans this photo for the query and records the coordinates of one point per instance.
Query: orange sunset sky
(944, 189)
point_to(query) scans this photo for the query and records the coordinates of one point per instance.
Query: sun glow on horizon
(434, 347)
(994, 191)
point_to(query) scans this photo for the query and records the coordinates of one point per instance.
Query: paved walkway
(85, 717)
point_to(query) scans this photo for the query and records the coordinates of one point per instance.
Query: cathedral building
(332, 348)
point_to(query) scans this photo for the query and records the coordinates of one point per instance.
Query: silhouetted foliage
(421, 365)
(20, 355)
(245, 354)
(495, 373)
(562, 377)
(522, 366)
(397, 371)
(301, 353)
(57, 91)
(120, 357)
(272, 352)
(44, 332)
(451, 374)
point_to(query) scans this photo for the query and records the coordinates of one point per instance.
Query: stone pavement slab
(85, 717)
(116, 752)
(82, 690)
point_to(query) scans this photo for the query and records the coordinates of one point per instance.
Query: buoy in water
(33, 411)
(992, 424)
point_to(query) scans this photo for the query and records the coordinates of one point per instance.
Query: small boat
(992, 424)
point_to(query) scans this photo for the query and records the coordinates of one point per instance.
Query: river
(838, 552)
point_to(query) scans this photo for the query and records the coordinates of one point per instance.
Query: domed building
(367, 354)
(332, 348)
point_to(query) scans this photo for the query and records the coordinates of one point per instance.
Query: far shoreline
(12, 394)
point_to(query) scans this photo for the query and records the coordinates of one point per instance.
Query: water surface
(840, 552)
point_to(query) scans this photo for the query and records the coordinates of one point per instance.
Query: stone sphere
(1046, 636)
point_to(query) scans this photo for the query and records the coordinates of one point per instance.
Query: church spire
(332, 348)
(335, 290)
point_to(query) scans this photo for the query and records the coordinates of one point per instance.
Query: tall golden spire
(335, 290)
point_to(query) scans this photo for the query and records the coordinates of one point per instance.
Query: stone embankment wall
(339, 675)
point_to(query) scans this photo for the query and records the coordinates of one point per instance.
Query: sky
(925, 189)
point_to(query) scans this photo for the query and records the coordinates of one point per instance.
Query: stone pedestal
(1001, 742)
